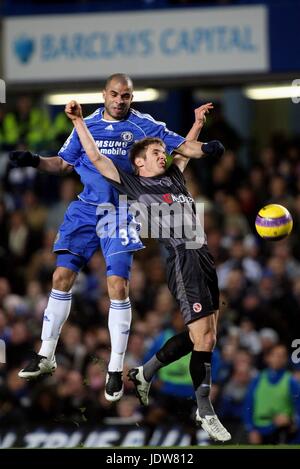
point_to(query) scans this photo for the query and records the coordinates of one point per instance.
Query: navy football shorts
(193, 281)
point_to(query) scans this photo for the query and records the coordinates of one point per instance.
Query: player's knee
(63, 279)
(209, 340)
(205, 340)
(117, 288)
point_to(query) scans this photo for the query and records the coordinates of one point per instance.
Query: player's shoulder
(140, 117)
(126, 173)
(173, 170)
(94, 117)
(128, 177)
(175, 173)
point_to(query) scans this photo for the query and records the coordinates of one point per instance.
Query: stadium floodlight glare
(95, 97)
(272, 92)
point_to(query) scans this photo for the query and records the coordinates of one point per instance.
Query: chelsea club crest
(127, 136)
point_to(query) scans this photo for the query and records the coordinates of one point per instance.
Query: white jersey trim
(147, 116)
(66, 249)
(94, 114)
(128, 120)
(128, 250)
(71, 164)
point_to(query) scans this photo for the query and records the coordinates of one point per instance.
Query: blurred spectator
(18, 235)
(42, 262)
(61, 127)
(238, 259)
(71, 345)
(268, 339)
(10, 413)
(56, 213)
(272, 407)
(127, 412)
(249, 338)
(232, 401)
(27, 124)
(235, 223)
(18, 344)
(279, 194)
(46, 405)
(78, 405)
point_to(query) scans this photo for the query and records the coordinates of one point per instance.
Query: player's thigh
(118, 256)
(118, 268)
(207, 265)
(203, 328)
(187, 283)
(68, 264)
(119, 265)
(77, 234)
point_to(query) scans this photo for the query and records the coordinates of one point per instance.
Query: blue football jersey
(114, 139)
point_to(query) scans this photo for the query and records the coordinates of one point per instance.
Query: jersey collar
(111, 122)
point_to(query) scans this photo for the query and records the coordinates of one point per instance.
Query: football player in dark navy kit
(191, 274)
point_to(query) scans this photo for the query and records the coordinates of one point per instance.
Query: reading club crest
(197, 307)
(127, 136)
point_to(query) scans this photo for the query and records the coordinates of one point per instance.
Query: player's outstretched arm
(104, 165)
(53, 164)
(192, 149)
(181, 160)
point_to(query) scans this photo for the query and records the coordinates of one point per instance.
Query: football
(273, 222)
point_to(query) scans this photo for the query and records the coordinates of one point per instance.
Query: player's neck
(146, 174)
(108, 117)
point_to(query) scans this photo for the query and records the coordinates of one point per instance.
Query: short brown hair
(139, 148)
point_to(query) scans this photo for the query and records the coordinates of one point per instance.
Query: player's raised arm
(193, 149)
(200, 119)
(181, 160)
(104, 165)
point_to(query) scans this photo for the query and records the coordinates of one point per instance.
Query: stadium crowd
(259, 283)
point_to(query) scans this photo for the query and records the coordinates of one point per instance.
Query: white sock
(55, 315)
(119, 321)
(48, 348)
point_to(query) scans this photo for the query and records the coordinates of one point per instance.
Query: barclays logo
(23, 48)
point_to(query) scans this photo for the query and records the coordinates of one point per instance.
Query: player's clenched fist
(21, 159)
(73, 110)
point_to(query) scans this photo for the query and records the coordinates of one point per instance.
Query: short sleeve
(158, 129)
(175, 173)
(171, 139)
(71, 149)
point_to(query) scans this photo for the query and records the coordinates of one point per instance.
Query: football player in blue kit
(115, 127)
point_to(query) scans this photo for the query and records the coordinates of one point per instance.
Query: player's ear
(139, 162)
